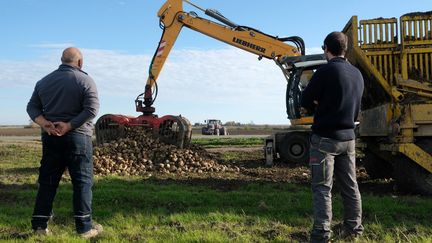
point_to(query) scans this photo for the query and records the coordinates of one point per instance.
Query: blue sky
(203, 78)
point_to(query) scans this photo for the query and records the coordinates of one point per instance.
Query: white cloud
(228, 84)
(116, 73)
(23, 74)
(59, 46)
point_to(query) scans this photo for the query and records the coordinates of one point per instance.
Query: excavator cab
(300, 72)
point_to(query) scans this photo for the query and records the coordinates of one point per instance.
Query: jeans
(328, 157)
(73, 151)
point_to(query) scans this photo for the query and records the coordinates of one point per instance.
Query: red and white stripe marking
(161, 47)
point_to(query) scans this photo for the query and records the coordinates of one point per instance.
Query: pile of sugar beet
(138, 153)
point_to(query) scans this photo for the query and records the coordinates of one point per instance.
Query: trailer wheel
(295, 148)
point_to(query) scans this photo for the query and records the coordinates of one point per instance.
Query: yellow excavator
(396, 118)
(172, 18)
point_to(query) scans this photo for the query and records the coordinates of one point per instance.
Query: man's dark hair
(336, 43)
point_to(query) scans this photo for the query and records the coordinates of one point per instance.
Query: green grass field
(161, 209)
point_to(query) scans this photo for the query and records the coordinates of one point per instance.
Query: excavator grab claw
(174, 130)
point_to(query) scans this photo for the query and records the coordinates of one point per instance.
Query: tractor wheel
(223, 131)
(376, 167)
(295, 148)
(411, 177)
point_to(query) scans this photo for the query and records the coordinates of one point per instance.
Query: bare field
(247, 129)
(12, 134)
(19, 131)
(233, 130)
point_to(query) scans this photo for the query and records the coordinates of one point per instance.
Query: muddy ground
(252, 169)
(249, 160)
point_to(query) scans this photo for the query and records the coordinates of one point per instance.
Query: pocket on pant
(317, 164)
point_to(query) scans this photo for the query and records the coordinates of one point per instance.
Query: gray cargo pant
(328, 157)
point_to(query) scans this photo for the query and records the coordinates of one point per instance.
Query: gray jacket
(68, 95)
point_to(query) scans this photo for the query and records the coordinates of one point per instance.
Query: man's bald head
(72, 56)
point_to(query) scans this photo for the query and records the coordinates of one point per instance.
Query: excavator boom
(176, 129)
(173, 19)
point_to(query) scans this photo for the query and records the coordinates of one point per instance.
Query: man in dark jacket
(63, 104)
(334, 95)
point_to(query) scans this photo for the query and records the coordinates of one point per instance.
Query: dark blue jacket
(338, 88)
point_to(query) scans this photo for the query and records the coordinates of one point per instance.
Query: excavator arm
(173, 18)
(177, 129)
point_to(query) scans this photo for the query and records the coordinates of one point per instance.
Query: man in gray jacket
(63, 104)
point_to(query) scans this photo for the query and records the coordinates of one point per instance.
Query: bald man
(63, 104)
